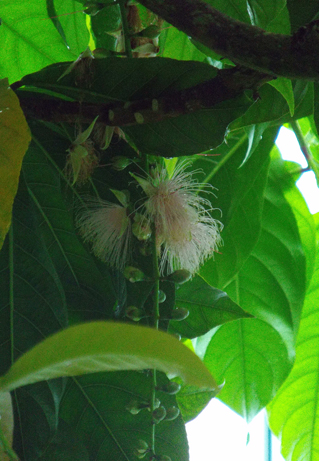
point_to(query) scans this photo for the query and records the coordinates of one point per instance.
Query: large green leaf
(127, 80)
(271, 286)
(250, 356)
(29, 40)
(95, 406)
(176, 44)
(87, 285)
(240, 199)
(293, 414)
(208, 307)
(102, 346)
(32, 306)
(15, 138)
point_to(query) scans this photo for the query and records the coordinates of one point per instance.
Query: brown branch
(228, 84)
(281, 55)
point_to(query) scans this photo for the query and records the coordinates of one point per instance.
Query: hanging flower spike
(107, 226)
(183, 225)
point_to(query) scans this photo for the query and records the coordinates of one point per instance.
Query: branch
(228, 84)
(293, 56)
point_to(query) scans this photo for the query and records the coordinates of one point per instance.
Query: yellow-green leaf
(15, 138)
(106, 346)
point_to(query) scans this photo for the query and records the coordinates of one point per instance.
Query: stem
(301, 140)
(6, 447)
(126, 33)
(156, 276)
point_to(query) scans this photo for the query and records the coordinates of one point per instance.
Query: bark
(293, 56)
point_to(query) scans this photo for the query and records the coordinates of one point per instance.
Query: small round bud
(158, 415)
(142, 230)
(134, 407)
(180, 276)
(161, 296)
(133, 274)
(172, 413)
(164, 458)
(179, 314)
(134, 313)
(141, 449)
(120, 163)
(177, 336)
(170, 388)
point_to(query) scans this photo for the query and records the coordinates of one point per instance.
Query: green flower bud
(179, 314)
(141, 449)
(180, 276)
(119, 163)
(177, 336)
(134, 313)
(164, 458)
(161, 296)
(134, 407)
(142, 230)
(158, 415)
(172, 413)
(133, 274)
(170, 388)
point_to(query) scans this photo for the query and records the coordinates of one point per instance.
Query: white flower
(183, 225)
(107, 226)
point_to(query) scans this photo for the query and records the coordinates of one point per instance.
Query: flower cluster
(185, 231)
(186, 234)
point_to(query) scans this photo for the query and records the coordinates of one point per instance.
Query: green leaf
(251, 358)
(101, 346)
(130, 80)
(176, 44)
(256, 12)
(284, 86)
(271, 286)
(191, 400)
(23, 51)
(208, 307)
(254, 134)
(240, 197)
(87, 285)
(55, 20)
(293, 414)
(95, 406)
(15, 138)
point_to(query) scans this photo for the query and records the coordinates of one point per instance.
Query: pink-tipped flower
(183, 225)
(107, 226)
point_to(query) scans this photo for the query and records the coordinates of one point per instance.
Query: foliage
(146, 161)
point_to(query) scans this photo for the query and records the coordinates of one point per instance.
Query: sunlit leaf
(293, 414)
(102, 346)
(15, 138)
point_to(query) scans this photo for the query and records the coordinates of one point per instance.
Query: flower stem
(126, 33)
(156, 276)
(302, 143)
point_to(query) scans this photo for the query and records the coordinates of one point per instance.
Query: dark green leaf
(95, 406)
(240, 198)
(208, 307)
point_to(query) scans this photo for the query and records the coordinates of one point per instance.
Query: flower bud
(158, 415)
(179, 314)
(180, 276)
(133, 274)
(141, 449)
(141, 227)
(134, 407)
(134, 313)
(161, 296)
(177, 336)
(172, 413)
(119, 163)
(170, 388)
(164, 458)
